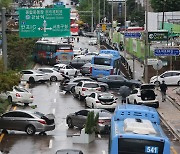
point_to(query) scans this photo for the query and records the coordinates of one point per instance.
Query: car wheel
(4, 131)
(66, 73)
(76, 73)
(69, 122)
(103, 88)
(31, 80)
(73, 89)
(135, 102)
(26, 104)
(178, 83)
(42, 133)
(157, 105)
(128, 102)
(9, 99)
(92, 106)
(80, 97)
(30, 130)
(53, 78)
(157, 83)
(75, 95)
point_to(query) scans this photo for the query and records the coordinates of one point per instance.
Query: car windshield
(91, 85)
(20, 89)
(102, 61)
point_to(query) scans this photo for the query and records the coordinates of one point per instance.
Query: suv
(170, 78)
(144, 95)
(85, 88)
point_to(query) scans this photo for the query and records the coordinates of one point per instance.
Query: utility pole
(146, 46)
(92, 18)
(99, 16)
(125, 16)
(4, 39)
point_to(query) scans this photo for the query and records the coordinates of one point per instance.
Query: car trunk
(147, 95)
(49, 118)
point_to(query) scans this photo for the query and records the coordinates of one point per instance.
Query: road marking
(104, 152)
(56, 83)
(53, 111)
(173, 150)
(55, 100)
(55, 91)
(1, 137)
(50, 144)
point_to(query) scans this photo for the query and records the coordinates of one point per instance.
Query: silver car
(70, 86)
(78, 119)
(30, 122)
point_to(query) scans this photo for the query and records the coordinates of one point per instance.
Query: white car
(85, 88)
(18, 95)
(145, 95)
(33, 76)
(102, 100)
(66, 69)
(170, 78)
(53, 74)
(93, 41)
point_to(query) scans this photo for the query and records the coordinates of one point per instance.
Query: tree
(165, 5)
(8, 79)
(20, 51)
(5, 3)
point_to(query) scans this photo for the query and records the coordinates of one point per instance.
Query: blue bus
(48, 52)
(136, 130)
(106, 63)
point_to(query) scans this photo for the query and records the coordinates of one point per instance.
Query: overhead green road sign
(44, 22)
(157, 36)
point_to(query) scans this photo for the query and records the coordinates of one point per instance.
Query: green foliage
(5, 3)
(19, 51)
(135, 13)
(3, 105)
(91, 123)
(166, 5)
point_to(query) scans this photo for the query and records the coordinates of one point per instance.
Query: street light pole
(99, 13)
(125, 16)
(112, 13)
(146, 46)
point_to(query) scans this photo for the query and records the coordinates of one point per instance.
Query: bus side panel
(167, 147)
(114, 146)
(100, 72)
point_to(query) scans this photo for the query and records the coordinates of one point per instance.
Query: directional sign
(167, 52)
(132, 35)
(157, 36)
(44, 22)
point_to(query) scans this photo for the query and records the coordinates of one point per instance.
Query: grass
(3, 106)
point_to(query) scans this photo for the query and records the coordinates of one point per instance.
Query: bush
(91, 123)
(3, 105)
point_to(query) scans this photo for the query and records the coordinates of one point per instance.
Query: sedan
(78, 119)
(69, 86)
(53, 74)
(30, 122)
(85, 69)
(18, 95)
(101, 100)
(116, 81)
(33, 76)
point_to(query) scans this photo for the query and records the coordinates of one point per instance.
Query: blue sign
(151, 149)
(132, 35)
(167, 52)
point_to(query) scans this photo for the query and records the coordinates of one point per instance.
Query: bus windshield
(102, 61)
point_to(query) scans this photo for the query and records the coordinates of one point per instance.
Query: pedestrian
(124, 91)
(77, 39)
(163, 88)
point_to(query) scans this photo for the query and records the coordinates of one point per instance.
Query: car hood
(154, 77)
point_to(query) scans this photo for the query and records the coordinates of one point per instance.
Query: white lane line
(55, 91)
(55, 100)
(56, 83)
(104, 152)
(53, 111)
(50, 144)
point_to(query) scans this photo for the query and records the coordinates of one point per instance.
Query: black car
(116, 81)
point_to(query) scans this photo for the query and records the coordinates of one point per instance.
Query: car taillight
(18, 95)
(42, 121)
(100, 121)
(111, 72)
(84, 89)
(90, 69)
